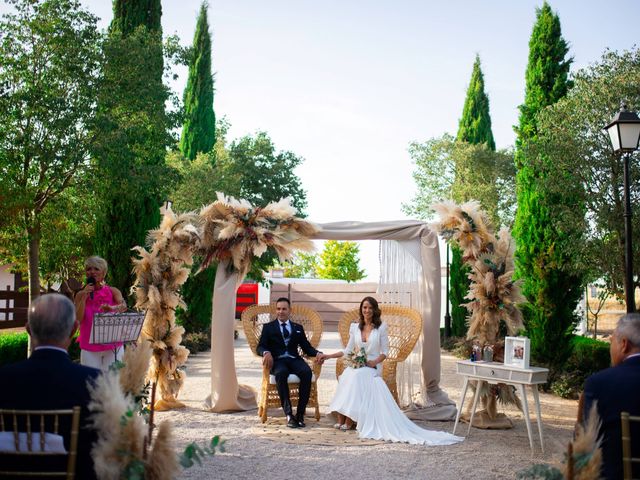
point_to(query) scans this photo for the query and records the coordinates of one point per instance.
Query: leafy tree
(481, 174)
(133, 131)
(49, 64)
(543, 245)
(570, 132)
(199, 128)
(340, 260)
(264, 175)
(474, 127)
(303, 265)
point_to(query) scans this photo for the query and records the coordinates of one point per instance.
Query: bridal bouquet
(357, 358)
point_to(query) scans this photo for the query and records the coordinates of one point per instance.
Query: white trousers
(100, 360)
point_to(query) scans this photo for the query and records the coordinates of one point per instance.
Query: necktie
(285, 331)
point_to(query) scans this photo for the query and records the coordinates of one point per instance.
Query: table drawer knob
(493, 373)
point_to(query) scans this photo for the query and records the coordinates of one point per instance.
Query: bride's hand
(371, 363)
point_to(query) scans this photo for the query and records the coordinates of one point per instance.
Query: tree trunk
(33, 239)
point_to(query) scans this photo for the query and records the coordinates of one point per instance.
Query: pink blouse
(101, 296)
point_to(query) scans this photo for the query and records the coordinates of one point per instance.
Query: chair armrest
(389, 370)
(315, 367)
(340, 366)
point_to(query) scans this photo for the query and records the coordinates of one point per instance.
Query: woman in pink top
(97, 297)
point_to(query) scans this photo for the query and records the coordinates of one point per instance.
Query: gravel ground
(485, 454)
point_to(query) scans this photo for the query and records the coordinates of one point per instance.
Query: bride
(362, 397)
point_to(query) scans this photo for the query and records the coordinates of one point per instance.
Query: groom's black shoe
(300, 420)
(292, 422)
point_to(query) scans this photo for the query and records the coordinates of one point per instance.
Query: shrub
(588, 356)
(13, 347)
(197, 341)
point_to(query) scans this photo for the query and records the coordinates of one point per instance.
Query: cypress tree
(474, 127)
(199, 135)
(552, 293)
(199, 129)
(475, 124)
(132, 132)
(130, 14)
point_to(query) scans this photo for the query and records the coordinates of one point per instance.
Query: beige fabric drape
(422, 243)
(226, 394)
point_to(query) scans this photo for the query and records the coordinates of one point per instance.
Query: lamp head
(624, 130)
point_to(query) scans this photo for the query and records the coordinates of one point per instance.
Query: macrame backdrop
(399, 284)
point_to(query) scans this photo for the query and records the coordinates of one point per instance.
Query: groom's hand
(320, 358)
(267, 360)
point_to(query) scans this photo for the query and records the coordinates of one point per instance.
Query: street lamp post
(624, 132)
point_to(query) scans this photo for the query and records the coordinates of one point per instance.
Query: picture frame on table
(517, 351)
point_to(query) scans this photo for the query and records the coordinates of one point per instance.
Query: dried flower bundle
(235, 230)
(493, 294)
(160, 273)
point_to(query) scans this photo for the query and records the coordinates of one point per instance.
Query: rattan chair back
(253, 319)
(404, 326)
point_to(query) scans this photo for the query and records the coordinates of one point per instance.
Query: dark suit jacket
(616, 390)
(271, 340)
(50, 380)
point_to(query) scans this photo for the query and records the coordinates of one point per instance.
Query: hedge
(13, 348)
(588, 356)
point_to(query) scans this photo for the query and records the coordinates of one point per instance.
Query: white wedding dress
(363, 396)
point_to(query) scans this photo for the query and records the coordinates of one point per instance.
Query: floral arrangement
(236, 231)
(160, 273)
(356, 358)
(493, 294)
(124, 447)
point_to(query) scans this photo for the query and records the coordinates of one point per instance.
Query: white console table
(493, 372)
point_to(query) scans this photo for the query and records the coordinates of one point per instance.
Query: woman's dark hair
(376, 321)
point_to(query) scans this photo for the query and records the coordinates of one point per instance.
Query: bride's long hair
(376, 320)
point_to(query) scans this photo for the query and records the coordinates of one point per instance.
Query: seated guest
(49, 380)
(615, 390)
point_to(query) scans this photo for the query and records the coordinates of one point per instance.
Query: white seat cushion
(292, 379)
(52, 443)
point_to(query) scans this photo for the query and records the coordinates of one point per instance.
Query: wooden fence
(14, 307)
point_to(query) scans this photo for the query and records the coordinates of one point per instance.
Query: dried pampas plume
(493, 294)
(237, 231)
(160, 273)
(585, 446)
(133, 376)
(162, 463)
(120, 433)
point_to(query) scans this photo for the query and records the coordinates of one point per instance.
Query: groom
(278, 347)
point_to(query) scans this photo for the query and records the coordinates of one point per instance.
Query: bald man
(615, 390)
(48, 379)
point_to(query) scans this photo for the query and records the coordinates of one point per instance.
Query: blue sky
(348, 84)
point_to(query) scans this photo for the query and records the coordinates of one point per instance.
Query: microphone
(91, 281)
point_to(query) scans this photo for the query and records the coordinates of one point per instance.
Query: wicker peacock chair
(253, 318)
(404, 326)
